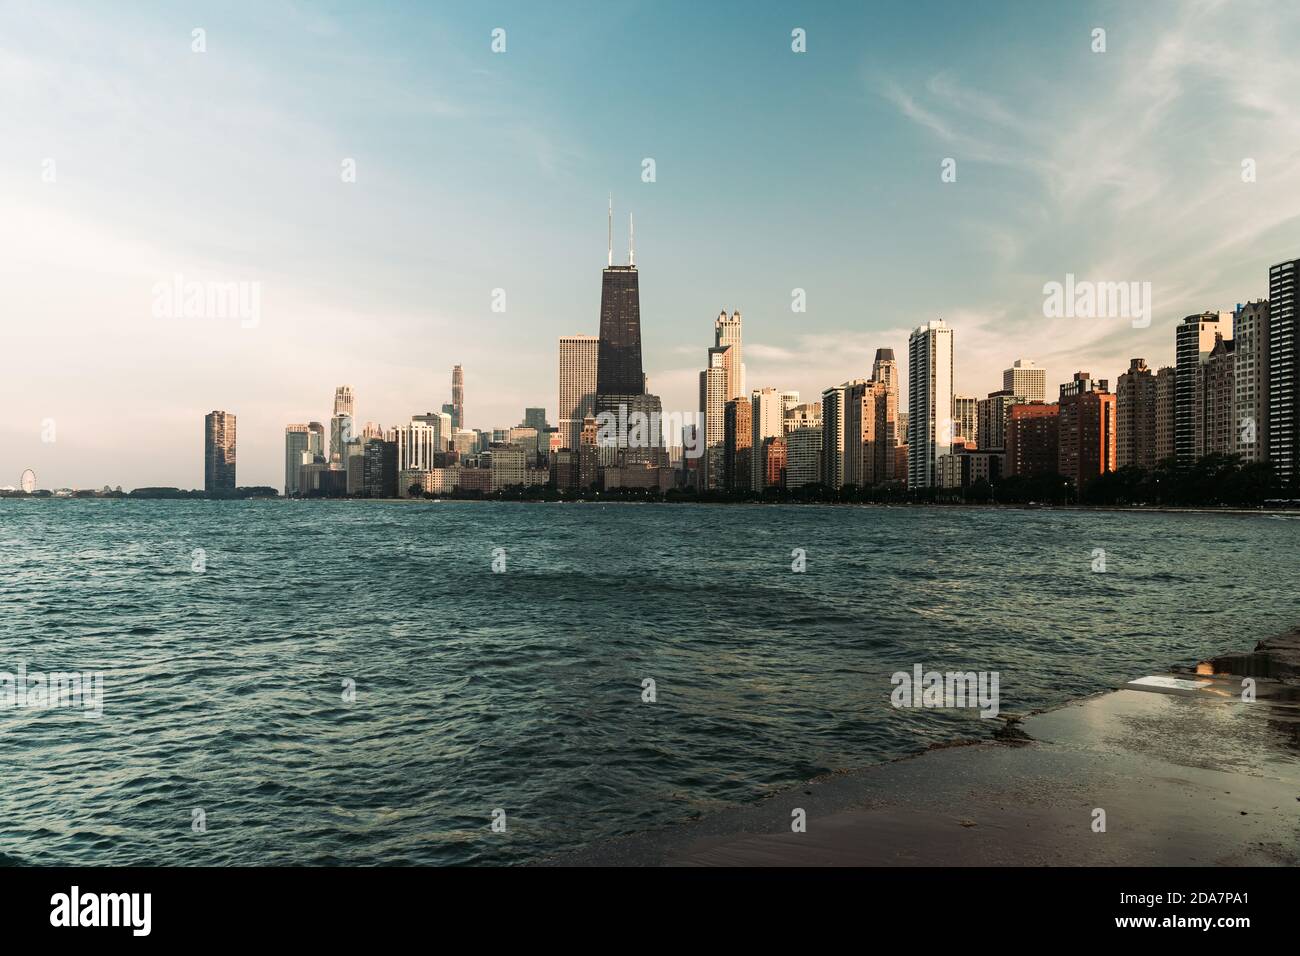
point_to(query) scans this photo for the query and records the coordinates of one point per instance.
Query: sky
(127, 158)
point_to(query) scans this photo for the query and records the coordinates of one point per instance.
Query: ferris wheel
(28, 482)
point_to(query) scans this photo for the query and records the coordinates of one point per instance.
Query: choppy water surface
(523, 690)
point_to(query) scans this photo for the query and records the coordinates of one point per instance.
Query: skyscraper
(885, 371)
(341, 421)
(738, 439)
(218, 452)
(457, 398)
(1135, 417)
(726, 335)
(1284, 372)
(620, 379)
(768, 421)
(297, 442)
(618, 365)
(868, 453)
(536, 418)
(1250, 330)
(1194, 342)
(714, 382)
(929, 401)
(1025, 380)
(578, 356)
(833, 437)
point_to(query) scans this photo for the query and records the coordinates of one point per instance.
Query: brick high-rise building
(774, 461)
(1033, 439)
(1135, 416)
(1086, 426)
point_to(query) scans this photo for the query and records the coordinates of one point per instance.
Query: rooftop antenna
(611, 229)
(631, 241)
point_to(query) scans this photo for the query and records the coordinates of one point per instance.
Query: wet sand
(1186, 777)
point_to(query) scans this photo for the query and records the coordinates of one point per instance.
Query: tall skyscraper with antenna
(618, 368)
(620, 379)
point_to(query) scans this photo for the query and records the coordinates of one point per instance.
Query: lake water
(224, 688)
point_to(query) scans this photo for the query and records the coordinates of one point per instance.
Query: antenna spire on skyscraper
(611, 229)
(631, 241)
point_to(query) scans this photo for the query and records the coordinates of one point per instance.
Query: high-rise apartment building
(965, 417)
(379, 470)
(1025, 380)
(1165, 418)
(1194, 340)
(1086, 429)
(991, 418)
(577, 384)
(767, 421)
(868, 454)
(1135, 417)
(929, 402)
(1250, 326)
(738, 442)
(1032, 439)
(833, 437)
(1284, 371)
(1214, 407)
(218, 452)
(774, 457)
(885, 371)
(803, 454)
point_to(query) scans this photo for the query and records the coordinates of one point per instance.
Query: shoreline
(1184, 771)
(959, 506)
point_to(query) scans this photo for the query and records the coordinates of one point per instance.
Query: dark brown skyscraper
(618, 357)
(218, 451)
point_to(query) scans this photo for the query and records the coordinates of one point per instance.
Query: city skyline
(1104, 167)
